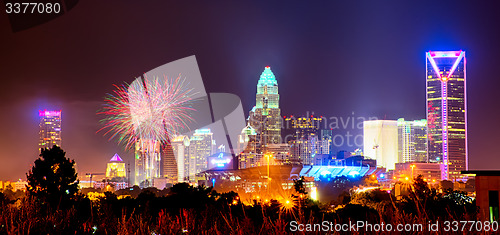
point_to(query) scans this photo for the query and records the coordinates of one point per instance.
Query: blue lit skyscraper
(447, 111)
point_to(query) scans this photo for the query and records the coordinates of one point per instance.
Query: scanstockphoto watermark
(345, 131)
(354, 226)
(462, 226)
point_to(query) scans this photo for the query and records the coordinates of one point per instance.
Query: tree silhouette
(299, 186)
(53, 178)
(4, 200)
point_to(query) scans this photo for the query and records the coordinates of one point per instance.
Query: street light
(412, 166)
(268, 161)
(268, 176)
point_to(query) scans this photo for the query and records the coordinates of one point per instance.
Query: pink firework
(154, 109)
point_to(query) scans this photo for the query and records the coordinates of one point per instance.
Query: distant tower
(265, 116)
(169, 164)
(326, 141)
(447, 111)
(380, 142)
(116, 168)
(412, 141)
(201, 146)
(50, 128)
(174, 158)
(247, 148)
(147, 161)
(306, 141)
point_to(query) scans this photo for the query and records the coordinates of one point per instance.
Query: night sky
(333, 58)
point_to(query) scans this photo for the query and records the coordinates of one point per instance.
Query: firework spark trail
(153, 109)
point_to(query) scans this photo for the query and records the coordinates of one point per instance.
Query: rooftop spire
(116, 158)
(267, 78)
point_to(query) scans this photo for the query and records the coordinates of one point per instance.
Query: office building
(169, 169)
(50, 128)
(116, 168)
(280, 154)
(174, 159)
(447, 111)
(147, 161)
(265, 116)
(431, 172)
(412, 140)
(380, 142)
(248, 148)
(326, 141)
(201, 146)
(304, 138)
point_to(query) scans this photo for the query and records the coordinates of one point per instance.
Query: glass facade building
(306, 140)
(174, 159)
(412, 141)
(447, 111)
(147, 161)
(201, 146)
(50, 128)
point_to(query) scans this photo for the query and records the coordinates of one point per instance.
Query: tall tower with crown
(265, 116)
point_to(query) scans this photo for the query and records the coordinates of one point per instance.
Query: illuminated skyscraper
(50, 128)
(169, 164)
(174, 158)
(326, 141)
(447, 111)
(265, 116)
(306, 141)
(147, 161)
(116, 167)
(412, 141)
(201, 146)
(249, 156)
(380, 142)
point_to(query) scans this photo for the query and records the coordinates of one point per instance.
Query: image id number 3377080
(32, 8)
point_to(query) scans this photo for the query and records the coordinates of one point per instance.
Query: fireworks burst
(154, 109)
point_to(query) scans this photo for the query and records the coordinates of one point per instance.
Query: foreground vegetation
(201, 210)
(52, 204)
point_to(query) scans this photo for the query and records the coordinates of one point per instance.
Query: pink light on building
(116, 158)
(445, 54)
(44, 113)
(438, 54)
(446, 92)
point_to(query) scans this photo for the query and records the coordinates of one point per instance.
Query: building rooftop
(267, 78)
(116, 158)
(482, 173)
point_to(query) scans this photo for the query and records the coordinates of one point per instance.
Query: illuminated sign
(220, 161)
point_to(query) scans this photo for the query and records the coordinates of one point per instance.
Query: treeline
(201, 210)
(53, 204)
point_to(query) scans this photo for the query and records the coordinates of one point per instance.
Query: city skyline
(394, 141)
(340, 73)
